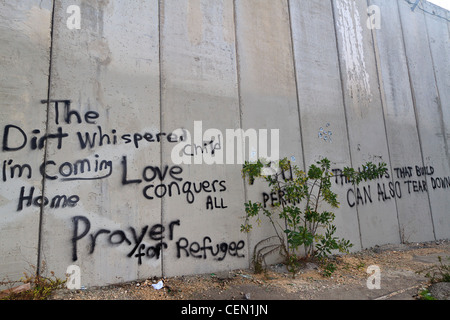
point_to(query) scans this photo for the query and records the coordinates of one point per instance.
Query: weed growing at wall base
(437, 273)
(41, 285)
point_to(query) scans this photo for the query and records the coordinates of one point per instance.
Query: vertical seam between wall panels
(238, 74)
(47, 122)
(448, 23)
(160, 122)
(413, 96)
(291, 37)
(345, 110)
(383, 109)
(296, 84)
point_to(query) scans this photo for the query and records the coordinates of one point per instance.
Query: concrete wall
(92, 115)
(25, 62)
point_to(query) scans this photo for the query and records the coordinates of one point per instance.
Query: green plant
(360, 265)
(300, 206)
(328, 269)
(41, 286)
(426, 295)
(437, 273)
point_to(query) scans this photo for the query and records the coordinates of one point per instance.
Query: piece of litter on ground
(158, 286)
(19, 289)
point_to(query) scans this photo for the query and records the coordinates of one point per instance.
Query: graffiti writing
(28, 199)
(100, 138)
(160, 237)
(404, 181)
(135, 239)
(157, 181)
(15, 138)
(201, 251)
(77, 170)
(159, 190)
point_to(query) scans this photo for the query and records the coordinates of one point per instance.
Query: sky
(443, 3)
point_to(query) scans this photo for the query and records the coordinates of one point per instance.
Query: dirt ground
(399, 266)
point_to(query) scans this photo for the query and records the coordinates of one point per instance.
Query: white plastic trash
(158, 286)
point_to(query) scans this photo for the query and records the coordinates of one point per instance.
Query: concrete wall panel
(402, 134)
(323, 118)
(199, 81)
(24, 66)
(267, 84)
(439, 41)
(109, 70)
(429, 112)
(367, 135)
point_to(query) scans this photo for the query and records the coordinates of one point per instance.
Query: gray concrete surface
(104, 104)
(24, 72)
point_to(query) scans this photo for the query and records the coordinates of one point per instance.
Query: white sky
(443, 3)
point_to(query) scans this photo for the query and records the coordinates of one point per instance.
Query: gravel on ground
(400, 267)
